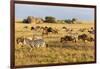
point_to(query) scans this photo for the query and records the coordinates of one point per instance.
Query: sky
(22, 11)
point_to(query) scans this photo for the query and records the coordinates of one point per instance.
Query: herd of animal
(46, 31)
(32, 42)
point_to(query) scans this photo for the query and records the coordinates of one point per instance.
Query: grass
(56, 52)
(52, 55)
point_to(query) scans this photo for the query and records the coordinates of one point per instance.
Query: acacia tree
(25, 21)
(50, 19)
(73, 20)
(68, 21)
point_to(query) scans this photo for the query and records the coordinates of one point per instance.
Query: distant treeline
(48, 19)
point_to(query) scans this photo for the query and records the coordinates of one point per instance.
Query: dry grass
(56, 52)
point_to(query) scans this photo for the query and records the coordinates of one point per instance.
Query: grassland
(56, 52)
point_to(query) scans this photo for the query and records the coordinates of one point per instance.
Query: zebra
(34, 43)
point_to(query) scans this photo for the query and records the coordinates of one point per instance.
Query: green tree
(68, 21)
(73, 20)
(50, 19)
(25, 21)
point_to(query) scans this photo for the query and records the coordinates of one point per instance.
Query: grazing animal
(39, 43)
(85, 37)
(34, 43)
(90, 39)
(55, 31)
(44, 32)
(20, 40)
(82, 37)
(91, 31)
(67, 38)
(92, 28)
(32, 28)
(65, 29)
(49, 29)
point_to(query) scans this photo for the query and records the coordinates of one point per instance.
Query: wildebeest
(65, 29)
(20, 40)
(92, 28)
(44, 32)
(55, 31)
(67, 38)
(48, 30)
(91, 31)
(85, 37)
(32, 28)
